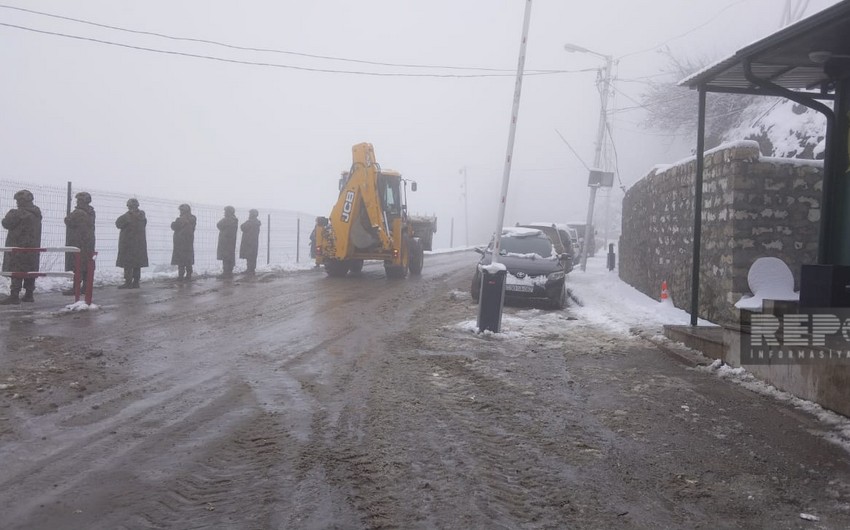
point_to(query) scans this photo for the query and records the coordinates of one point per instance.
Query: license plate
(519, 288)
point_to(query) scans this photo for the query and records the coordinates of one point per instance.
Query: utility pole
(605, 79)
(493, 276)
(465, 206)
(506, 175)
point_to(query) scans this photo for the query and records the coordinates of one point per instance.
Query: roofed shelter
(809, 63)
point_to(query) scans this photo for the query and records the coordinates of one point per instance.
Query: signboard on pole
(602, 179)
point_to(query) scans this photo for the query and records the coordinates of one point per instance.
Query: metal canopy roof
(783, 58)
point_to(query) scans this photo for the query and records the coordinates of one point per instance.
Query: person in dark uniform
(250, 245)
(228, 227)
(132, 244)
(24, 226)
(183, 254)
(80, 234)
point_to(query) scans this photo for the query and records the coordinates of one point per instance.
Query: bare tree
(674, 109)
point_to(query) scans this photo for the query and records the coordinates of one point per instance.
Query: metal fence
(284, 236)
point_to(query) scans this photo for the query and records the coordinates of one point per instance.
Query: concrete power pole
(465, 206)
(597, 158)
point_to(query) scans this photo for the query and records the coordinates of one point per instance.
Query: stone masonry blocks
(752, 207)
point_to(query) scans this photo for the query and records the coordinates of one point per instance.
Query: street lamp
(600, 138)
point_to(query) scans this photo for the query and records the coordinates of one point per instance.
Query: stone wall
(753, 206)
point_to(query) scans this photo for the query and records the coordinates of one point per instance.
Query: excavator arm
(358, 216)
(369, 222)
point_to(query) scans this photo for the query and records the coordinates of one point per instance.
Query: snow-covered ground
(609, 303)
(599, 298)
(108, 275)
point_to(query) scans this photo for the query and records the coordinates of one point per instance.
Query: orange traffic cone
(664, 295)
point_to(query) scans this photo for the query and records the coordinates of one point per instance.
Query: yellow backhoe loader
(370, 222)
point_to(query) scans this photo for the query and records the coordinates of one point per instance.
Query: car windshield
(536, 244)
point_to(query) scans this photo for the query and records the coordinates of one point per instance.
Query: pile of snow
(609, 302)
(600, 298)
(81, 306)
(769, 279)
(493, 268)
(519, 231)
(530, 323)
(791, 129)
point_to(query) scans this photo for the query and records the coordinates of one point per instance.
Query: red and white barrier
(76, 275)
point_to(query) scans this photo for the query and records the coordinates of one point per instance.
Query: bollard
(492, 297)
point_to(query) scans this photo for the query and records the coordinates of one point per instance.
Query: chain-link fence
(284, 237)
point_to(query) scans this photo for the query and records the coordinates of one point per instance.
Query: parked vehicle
(574, 238)
(581, 228)
(535, 270)
(560, 237)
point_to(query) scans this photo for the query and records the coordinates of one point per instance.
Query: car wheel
(561, 302)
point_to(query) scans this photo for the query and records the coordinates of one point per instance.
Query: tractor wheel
(355, 266)
(416, 257)
(336, 268)
(395, 272)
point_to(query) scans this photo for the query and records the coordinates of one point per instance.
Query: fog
(209, 131)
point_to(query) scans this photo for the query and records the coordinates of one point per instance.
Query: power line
(647, 106)
(616, 156)
(571, 149)
(643, 78)
(264, 50)
(275, 65)
(645, 132)
(638, 104)
(685, 34)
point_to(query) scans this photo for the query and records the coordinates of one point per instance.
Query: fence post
(68, 228)
(298, 240)
(268, 238)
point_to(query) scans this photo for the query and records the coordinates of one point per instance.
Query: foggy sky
(207, 131)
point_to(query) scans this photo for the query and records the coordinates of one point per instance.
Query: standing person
(313, 241)
(132, 244)
(80, 234)
(183, 254)
(250, 245)
(24, 226)
(228, 227)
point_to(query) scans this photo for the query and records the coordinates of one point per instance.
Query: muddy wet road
(301, 401)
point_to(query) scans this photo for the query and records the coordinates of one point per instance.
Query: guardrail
(76, 275)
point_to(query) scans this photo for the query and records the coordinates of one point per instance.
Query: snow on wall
(752, 207)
